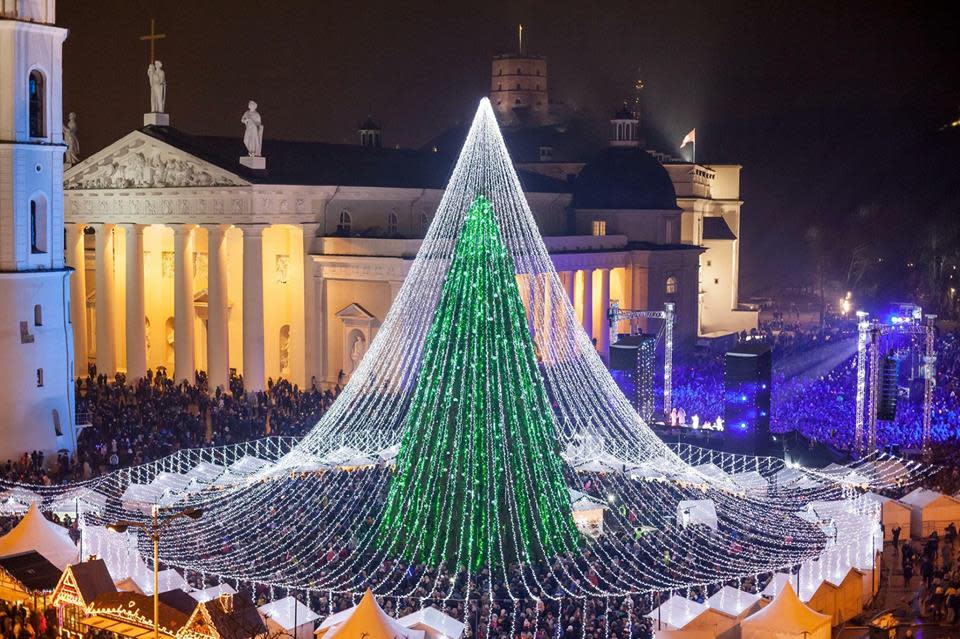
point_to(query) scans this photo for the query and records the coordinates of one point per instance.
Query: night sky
(816, 100)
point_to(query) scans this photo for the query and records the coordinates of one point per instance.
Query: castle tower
(518, 89)
(36, 339)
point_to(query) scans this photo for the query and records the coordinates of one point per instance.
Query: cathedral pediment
(354, 312)
(140, 161)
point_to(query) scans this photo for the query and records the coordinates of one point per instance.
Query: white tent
(205, 472)
(697, 511)
(208, 594)
(676, 613)
(248, 465)
(78, 499)
(141, 497)
(17, 500)
(367, 619)
(786, 618)
(794, 478)
(750, 481)
(36, 533)
(587, 512)
(892, 514)
(288, 617)
(715, 473)
(171, 482)
(735, 602)
(931, 511)
(435, 624)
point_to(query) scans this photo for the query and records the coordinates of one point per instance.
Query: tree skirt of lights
(445, 468)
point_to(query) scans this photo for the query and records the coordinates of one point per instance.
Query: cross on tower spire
(152, 38)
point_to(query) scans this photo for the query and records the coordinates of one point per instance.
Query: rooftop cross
(152, 38)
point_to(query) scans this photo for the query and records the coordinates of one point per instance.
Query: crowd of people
(133, 423)
(823, 407)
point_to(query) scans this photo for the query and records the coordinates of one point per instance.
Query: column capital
(133, 226)
(215, 228)
(253, 230)
(182, 229)
(97, 226)
(76, 227)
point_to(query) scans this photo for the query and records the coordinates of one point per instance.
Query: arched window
(37, 315)
(518, 86)
(518, 102)
(345, 222)
(393, 222)
(500, 71)
(39, 377)
(38, 224)
(424, 222)
(519, 71)
(671, 286)
(36, 92)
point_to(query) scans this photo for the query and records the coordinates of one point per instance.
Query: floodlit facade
(36, 342)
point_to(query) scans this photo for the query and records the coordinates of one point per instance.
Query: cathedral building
(197, 256)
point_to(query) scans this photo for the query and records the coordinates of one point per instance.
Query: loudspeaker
(889, 389)
(746, 406)
(632, 365)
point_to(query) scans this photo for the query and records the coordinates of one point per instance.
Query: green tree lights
(479, 478)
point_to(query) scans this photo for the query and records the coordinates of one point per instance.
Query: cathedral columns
(603, 337)
(312, 353)
(218, 362)
(183, 314)
(76, 259)
(569, 279)
(136, 306)
(104, 289)
(588, 302)
(253, 366)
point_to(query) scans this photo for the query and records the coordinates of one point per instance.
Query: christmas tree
(479, 479)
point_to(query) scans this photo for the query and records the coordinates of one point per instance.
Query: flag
(690, 138)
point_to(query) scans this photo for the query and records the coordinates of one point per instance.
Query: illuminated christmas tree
(479, 478)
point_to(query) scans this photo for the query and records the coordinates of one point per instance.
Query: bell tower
(36, 344)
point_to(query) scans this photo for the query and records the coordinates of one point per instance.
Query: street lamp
(153, 528)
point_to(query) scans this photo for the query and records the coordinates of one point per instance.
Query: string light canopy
(443, 469)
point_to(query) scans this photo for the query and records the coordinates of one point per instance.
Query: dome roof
(624, 178)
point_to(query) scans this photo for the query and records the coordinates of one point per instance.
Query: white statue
(253, 135)
(158, 86)
(357, 351)
(70, 139)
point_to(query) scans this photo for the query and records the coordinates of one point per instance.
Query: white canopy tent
(36, 533)
(750, 481)
(931, 511)
(697, 511)
(208, 594)
(141, 497)
(433, 623)
(248, 465)
(205, 472)
(679, 613)
(735, 602)
(786, 617)
(587, 512)
(288, 617)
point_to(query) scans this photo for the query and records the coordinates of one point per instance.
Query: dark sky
(780, 87)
